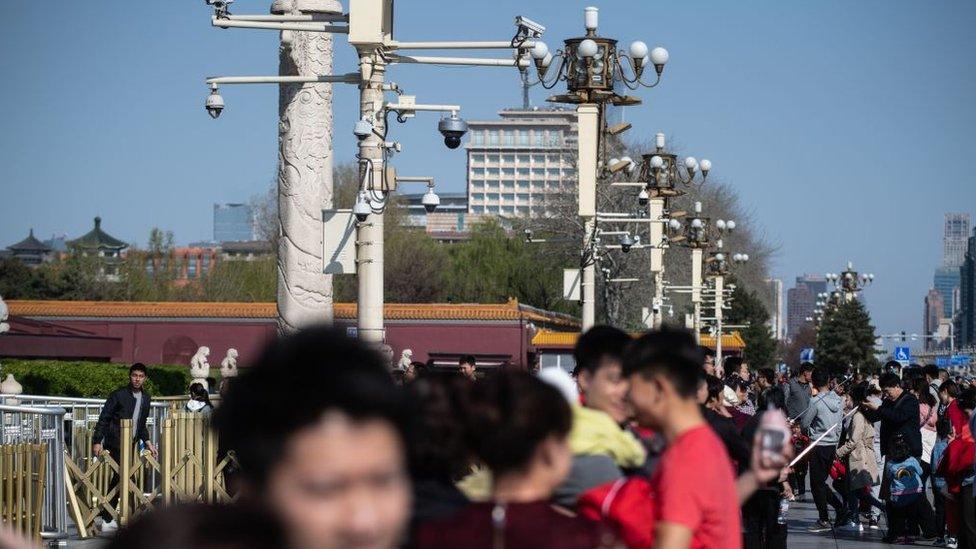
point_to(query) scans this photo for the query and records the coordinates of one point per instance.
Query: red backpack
(626, 505)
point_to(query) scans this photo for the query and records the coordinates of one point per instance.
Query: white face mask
(195, 405)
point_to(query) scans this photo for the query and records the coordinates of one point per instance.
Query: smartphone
(772, 441)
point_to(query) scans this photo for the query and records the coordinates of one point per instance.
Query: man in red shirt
(696, 494)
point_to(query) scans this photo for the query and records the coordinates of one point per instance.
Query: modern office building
(965, 319)
(946, 282)
(518, 163)
(932, 316)
(233, 223)
(801, 300)
(955, 239)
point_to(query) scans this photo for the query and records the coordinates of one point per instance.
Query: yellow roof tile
(179, 309)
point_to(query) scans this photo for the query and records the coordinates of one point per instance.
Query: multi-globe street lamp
(664, 176)
(849, 282)
(592, 67)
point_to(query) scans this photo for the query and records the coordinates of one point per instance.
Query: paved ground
(804, 514)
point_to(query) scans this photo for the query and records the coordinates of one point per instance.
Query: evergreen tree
(747, 308)
(846, 338)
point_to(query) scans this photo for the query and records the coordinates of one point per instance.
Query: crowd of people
(647, 443)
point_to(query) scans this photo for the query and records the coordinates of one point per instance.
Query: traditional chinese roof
(512, 310)
(97, 239)
(30, 245)
(567, 340)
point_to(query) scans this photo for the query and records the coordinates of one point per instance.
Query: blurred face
(410, 373)
(744, 372)
(606, 389)
(342, 484)
(806, 377)
(136, 379)
(467, 370)
(648, 400)
(710, 365)
(892, 393)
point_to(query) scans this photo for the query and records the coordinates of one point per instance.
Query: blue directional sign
(806, 355)
(954, 360)
(903, 354)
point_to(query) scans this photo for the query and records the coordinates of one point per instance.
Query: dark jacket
(735, 445)
(898, 417)
(797, 397)
(118, 406)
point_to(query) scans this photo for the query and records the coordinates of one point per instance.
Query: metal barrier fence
(23, 479)
(41, 425)
(189, 468)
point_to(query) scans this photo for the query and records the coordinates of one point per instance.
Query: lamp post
(849, 282)
(718, 269)
(592, 67)
(370, 31)
(664, 176)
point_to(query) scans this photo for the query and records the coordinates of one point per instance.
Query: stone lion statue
(406, 357)
(228, 366)
(199, 367)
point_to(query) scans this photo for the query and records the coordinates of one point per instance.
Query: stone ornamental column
(304, 170)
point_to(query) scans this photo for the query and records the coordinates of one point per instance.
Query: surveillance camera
(430, 200)
(453, 129)
(643, 198)
(361, 209)
(215, 103)
(362, 129)
(625, 243)
(529, 27)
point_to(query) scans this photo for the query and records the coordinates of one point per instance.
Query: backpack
(626, 505)
(906, 484)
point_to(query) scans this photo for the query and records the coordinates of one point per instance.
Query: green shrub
(91, 379)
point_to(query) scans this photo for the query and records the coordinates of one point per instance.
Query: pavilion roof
(97, 239)
(30, 244)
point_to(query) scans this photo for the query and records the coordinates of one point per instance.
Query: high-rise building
(801, 300)
(776, 305)
(932, 316)
(954, 239)
(517, 163)
(946, 282)
(965, 320)
(233, 223)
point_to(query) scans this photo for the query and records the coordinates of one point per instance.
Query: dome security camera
(361, 209)
(625, 243)
(430, 200)
(453, 129)
(215, 103)
(362, 129)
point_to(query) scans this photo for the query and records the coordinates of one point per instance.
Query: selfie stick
(821, 437)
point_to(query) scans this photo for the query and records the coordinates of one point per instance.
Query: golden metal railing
(23, 470)
(189, 469)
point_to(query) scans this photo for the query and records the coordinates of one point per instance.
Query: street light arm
(349, 78)
(459, 45)
(291, 18)
(465, 61)
(226, 22)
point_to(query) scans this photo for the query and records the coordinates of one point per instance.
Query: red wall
(143, 340)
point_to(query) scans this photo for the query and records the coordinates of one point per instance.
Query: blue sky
(846, 126)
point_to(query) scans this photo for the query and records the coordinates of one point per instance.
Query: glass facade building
(233, 223)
